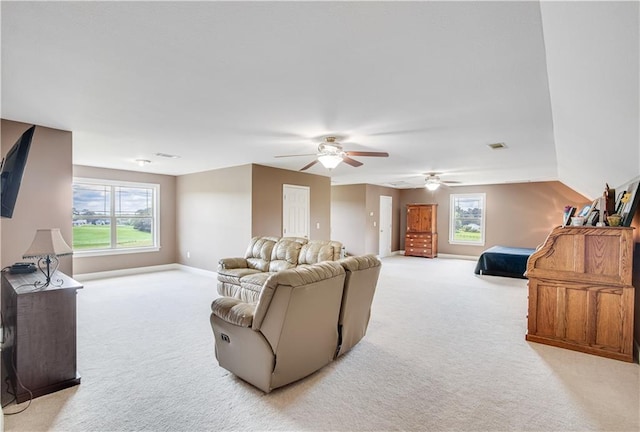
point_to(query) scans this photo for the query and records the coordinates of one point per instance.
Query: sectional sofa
(304, 318)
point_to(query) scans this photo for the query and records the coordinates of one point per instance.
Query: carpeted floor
(445, 350)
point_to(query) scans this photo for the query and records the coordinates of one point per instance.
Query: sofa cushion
(251, 285)
(317, 251)
(258, 252)
(233, 276)
(284, 255)
(226, 289)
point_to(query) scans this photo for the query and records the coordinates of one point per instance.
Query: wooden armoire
(421, 238)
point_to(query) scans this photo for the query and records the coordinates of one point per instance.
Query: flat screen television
(12, 171)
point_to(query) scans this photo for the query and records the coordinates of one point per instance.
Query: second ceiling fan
(330, 154)
(432, 181)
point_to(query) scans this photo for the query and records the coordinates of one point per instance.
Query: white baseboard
(447, 256)
(462, 257)
(140, 270)
(196, 270)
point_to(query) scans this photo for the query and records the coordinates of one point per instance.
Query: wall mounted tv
(12, 170)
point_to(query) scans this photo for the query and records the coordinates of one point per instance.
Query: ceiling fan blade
(309, 165)
(352, 162)
(308, 154)
(364, 153)
(450, 182)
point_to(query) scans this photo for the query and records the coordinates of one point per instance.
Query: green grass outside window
(467, 236)
(99, 237)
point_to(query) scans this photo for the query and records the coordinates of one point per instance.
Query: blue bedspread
(504, 261)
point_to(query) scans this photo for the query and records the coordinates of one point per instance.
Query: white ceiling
(225, 84)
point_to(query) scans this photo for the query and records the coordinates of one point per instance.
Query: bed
(504, 261)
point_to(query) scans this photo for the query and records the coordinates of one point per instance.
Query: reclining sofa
(304, 318)
(243, 278)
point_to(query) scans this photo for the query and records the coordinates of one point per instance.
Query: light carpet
(445, 350)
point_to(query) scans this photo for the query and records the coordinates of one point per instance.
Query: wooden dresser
(580, 292)
(421, 238)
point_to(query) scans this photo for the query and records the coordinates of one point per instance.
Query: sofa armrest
(231, 263)
(234, 311)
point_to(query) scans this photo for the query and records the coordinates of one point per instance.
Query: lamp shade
(48, 242)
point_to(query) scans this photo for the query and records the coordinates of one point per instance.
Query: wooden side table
(39, 340)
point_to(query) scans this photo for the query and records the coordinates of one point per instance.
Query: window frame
(114, 250)
(452, 218)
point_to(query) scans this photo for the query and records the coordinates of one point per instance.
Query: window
(467, 217)
(114, 217)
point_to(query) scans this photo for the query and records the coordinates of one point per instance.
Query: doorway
(386, 225)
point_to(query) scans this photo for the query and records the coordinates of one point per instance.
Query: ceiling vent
(166, 155)
(401, 184)
(497, 146)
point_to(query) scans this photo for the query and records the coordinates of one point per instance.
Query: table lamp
(47, 246)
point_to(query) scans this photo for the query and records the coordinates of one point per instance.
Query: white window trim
(156, 217)
(452, 219)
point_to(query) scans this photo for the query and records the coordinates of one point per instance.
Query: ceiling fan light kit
(432, 183)
(330, 161)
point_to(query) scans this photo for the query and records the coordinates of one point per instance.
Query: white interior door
(386, 224)
(295, 211)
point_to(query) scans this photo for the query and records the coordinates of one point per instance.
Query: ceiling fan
(433, 181)
(330, 154)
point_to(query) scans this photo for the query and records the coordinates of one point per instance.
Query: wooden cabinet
(421, 238)
(580, 292)
(40, 335)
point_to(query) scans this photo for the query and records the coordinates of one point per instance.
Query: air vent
(166, 155)
(497, 146)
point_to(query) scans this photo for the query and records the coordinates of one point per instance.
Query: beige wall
(44, 200)
(518, 215)
(352, 221)
(167, 252)
(349, 217)
(220, 210)
(267, 201)
(213, 216)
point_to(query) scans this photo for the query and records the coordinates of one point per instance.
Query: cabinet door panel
(546, 310)
(609, 320)
(576, 315)
(425, 219)
(413, 219)
(602, 255)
